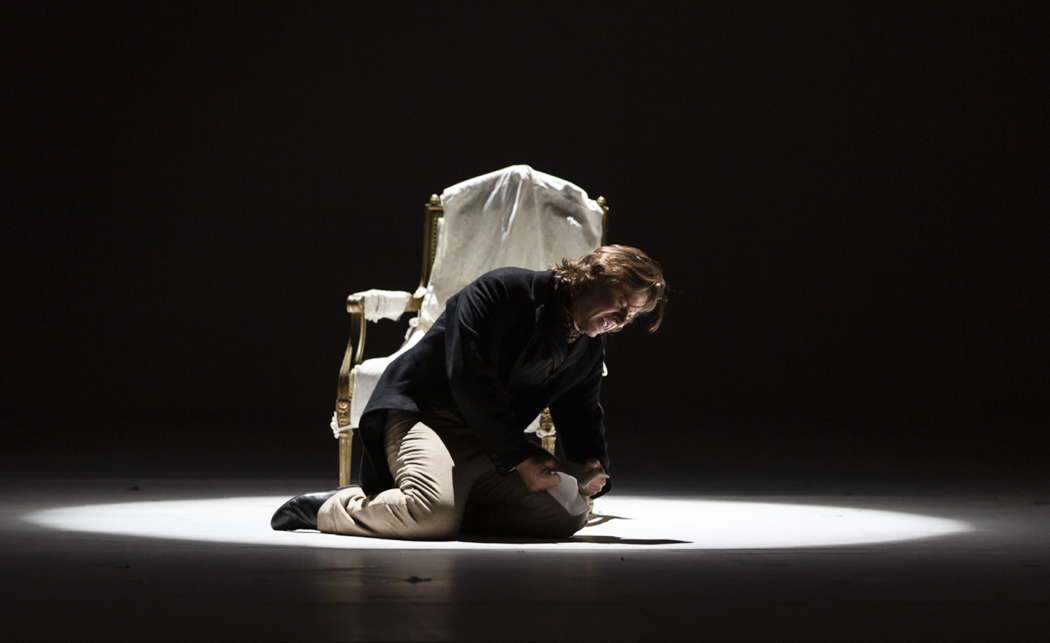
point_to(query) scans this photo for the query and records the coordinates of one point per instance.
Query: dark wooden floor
(990, 584)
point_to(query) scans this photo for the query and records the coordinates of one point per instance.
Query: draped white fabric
(516, 216)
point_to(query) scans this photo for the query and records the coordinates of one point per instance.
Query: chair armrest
(379, 304)
(368, 305)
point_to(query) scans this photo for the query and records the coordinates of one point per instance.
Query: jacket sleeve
(478, 328)
(580, 420)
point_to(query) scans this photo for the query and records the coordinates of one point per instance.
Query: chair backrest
(516, 216)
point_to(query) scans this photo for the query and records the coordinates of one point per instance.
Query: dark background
(850, 203)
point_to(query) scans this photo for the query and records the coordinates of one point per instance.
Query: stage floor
(180, 559)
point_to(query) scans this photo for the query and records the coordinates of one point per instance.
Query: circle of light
(637, 522)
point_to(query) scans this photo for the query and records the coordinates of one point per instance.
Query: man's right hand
(538, 472)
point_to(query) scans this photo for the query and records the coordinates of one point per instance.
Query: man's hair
(616, 265)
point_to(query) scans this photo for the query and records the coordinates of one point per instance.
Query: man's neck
(572, 331)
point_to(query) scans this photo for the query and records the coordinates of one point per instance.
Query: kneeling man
(444, 445)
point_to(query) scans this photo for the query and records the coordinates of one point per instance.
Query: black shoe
(300, 512)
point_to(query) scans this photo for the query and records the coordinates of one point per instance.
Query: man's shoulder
(504, 293)
(516, 283)
(516, 276)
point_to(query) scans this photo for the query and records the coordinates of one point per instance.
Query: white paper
(567, 493)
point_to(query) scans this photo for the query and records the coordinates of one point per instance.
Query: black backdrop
(851, 205)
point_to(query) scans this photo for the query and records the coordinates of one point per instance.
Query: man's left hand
(598, 482)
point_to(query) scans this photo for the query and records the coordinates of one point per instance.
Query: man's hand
(538, 472)
(593, 466)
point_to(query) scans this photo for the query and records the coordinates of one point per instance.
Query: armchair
(516, 216)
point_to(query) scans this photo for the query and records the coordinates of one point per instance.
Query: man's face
(606, 309)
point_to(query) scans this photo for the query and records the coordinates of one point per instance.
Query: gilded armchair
(514, 216)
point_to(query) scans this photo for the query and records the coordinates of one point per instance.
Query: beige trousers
(446, 485)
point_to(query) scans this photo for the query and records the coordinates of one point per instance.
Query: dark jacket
(496, 357)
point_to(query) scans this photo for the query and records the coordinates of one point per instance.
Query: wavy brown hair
(622, 266)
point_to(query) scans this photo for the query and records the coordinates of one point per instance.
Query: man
(443, 433)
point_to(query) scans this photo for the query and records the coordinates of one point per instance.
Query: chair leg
(346, 445)
(548, 436)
